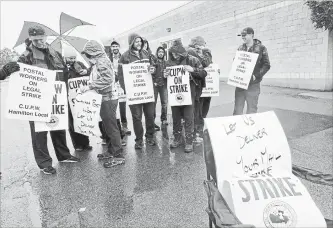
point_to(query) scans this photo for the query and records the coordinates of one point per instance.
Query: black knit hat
(177, 47)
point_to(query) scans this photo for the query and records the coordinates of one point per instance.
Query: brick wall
(299, 54)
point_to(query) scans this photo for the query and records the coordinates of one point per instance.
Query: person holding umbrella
(39, 54)
(75, 69)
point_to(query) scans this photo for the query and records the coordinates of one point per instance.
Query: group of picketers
(106, 75)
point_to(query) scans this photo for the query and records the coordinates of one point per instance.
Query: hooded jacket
(186, 59)
(130, 57)
(160, 65)
(102, 74)
(263, 64)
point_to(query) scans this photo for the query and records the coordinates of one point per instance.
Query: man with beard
(114, 57)
(75, 69)
(39, 54)
(103, 82)
(251, 95)
(136, 54)
(195, 49)
(160, 84)
(179, 56)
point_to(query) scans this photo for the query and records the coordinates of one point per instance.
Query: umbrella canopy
(68, 22)
(24, 32)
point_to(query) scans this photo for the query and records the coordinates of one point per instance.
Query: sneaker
(126, 130)
(79, 149)
(123, 142)
(87, 148)
(165, 122)
(71, 159)
(198, 140)
(138, 145)
(104, 142)
(106, 155)
(114, 162)
(151, 142)
(157, 128)
(188, 148)
(49, 170)
(175, 143)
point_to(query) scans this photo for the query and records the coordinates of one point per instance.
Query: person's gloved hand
(11, 67)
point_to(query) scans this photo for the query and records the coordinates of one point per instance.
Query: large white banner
(242, 69)
(86, 113)
(30, 94)
(138, 83)
(74, 86)
(254, 172)
(179, 89)
(212, 88)
(59, 115)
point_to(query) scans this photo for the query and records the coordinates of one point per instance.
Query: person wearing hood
(179, 56)
(103, 82)
(114, 56)
(39, 54)
(195, 48)
(136, 54)
(160, 85)
(251, 95)
(75, 69)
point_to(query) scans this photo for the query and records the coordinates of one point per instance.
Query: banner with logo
(254, 172)
(59, 115)
(242, 69)
(138, 83)
(86, 113)
(179, 89)
(74, 86)
(212, 88)
(30, 94)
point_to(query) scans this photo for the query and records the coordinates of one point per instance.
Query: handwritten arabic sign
(59, 115)
(212, 88)
(254, 172)
(242, 69)
(86, 113)
(138, 83)
(29, 94)
(179, 89)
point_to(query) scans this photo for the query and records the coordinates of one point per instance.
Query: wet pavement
(157, 187)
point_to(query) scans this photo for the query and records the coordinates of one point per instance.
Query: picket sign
(86, 114)
(242, 69)
(74, 85)
(138, 83)
(254, 172)
(178, 84)
(59, 115)
(212, 88)
(30, 94)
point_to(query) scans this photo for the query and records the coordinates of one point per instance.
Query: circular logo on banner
(180, 98)
(53, 122)
(279, 214)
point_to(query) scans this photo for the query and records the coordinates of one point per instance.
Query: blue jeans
(109, 119)
(250, 96)
(148, 110)
(163, 91)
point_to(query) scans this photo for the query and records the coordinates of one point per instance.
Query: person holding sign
(103, 82)
(195, 48)
(251, 95)
(75, 69)
(160, 85)
(136, 54)
(39, 54)
(179, 56)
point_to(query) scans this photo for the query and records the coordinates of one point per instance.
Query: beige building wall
(301, 56)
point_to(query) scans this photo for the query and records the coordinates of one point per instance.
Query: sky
(110, 17)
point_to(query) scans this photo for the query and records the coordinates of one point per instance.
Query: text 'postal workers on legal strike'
(30, 94)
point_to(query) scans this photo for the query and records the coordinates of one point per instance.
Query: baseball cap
(114, 42)
(247, 30)
(36, 32)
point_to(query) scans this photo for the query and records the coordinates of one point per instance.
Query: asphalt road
(157, 187)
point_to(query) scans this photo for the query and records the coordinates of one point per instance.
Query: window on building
(167, 45)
